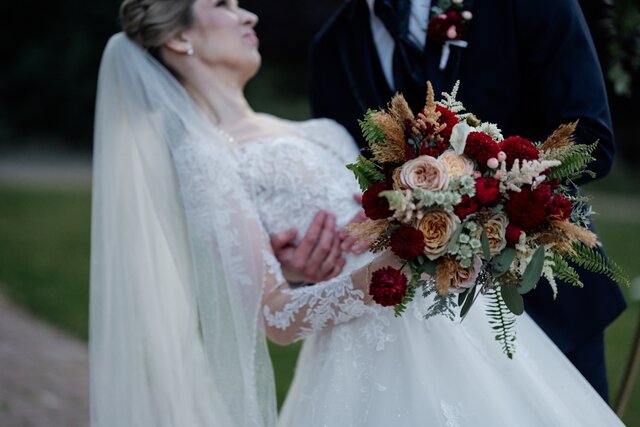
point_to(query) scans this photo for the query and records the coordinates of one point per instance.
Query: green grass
(44, 259)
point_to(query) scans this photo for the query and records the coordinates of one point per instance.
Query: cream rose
(496, 232)
(457, 164)
(426, 173)
(438, 227)
(452, 277)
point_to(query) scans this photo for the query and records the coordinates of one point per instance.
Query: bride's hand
(349, 243)
(318, 256)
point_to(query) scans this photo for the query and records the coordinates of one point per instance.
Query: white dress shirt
(384, 42)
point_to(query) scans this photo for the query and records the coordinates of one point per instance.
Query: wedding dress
(360, 365)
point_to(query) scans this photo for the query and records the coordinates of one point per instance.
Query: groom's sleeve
(563, 76)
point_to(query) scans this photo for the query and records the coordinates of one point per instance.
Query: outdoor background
(50, 55)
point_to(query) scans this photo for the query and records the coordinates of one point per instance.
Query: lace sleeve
(224, 216)
(291, 314)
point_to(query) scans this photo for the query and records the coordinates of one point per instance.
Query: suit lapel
(359, 59)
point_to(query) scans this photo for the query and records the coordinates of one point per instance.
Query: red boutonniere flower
(447, 26)
(448, 23)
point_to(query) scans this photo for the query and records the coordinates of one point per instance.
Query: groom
(528, 66)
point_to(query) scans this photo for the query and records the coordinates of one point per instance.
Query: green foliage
(563, 271)
(533, 271)
(442, 305)
(501, 263)
(502, 321)
(366, 172)
(370, 129)
(574, 162)
(594, 261)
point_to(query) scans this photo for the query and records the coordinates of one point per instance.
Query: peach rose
(438, 227)
(452, 277)
(426, 173)
(457, 164)
(496, 232)
(397, 182)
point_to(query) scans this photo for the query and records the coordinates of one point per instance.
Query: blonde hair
(150, 23)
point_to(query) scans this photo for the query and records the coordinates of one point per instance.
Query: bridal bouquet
(471, 212)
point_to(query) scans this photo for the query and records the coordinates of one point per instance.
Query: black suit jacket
(529, 67)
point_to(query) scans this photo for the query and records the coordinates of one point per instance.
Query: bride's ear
(180, 44)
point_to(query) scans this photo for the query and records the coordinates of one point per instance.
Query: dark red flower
(513, 234)
(481, 147)
(439, 25)
(468, 206)
(487, 191)
(559, 208)
(449, 118)
(528, 208)
(376, 207)
(518, 148)
(407, 242)
(433, 147)
(388, 286)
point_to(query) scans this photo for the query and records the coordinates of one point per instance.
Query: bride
(188, 184)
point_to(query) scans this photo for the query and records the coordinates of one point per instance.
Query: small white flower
(467, 15)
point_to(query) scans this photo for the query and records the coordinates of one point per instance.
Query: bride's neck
(221, 96)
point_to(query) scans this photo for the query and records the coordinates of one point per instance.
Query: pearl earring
(190, 50)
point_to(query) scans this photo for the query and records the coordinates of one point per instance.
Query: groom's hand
(317, 257)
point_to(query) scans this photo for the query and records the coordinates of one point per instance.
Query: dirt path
(44, 374)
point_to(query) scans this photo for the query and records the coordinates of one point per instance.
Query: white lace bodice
(291, 177)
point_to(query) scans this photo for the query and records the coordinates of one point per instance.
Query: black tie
(409, 75)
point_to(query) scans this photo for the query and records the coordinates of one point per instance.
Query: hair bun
(150, 23)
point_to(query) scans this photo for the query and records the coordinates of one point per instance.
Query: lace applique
(333, 301)
(452, 414)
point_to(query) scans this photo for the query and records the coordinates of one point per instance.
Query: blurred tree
(53, 51)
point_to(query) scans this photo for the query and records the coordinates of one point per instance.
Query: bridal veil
(176, 274)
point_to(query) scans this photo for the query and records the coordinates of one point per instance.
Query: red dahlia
(518, 148)
(528, 208)
(449, 118)
(481, 147)
(407, 242)
(559, 208)
(487, 191)
(376, 207)
(388, 286)
(468, 206)
(513, 234)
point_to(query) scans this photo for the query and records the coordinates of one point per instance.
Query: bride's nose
(248, 18)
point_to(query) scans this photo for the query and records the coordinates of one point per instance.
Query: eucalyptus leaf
(468, 302)
(502, 261)
(461, 296)
(512, 299)
(533, 271)
(485, 245)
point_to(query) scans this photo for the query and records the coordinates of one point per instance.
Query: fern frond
(574, 162)
(594, 261)
(366, 172)
(372, 133)
(563, 271)
(442, 304)
(502, 321)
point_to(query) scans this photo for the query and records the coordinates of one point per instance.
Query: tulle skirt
(379, 370)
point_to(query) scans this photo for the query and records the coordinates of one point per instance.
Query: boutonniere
(447, 26)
